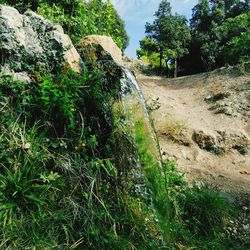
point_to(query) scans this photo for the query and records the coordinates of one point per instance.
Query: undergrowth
(77, 173)
(64, 183)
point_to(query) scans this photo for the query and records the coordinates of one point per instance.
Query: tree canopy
(169, 35)
(219, 35)
(211, 34)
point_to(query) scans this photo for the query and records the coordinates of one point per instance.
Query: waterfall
(131, 94)
(148, 157)
(129, 85)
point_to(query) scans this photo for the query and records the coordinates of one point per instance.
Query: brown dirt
(191, 102)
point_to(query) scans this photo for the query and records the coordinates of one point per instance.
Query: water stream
(131, 95)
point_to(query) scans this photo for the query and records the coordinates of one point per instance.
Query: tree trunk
(175, 67)
(161, 57)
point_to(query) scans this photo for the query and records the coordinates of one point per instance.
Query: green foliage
(59, 95)
(237, 36)
(205, 212)
(219, 35)
(199, 215)
(61, 167)
(168, 35)
(79, 18)
(155, 177)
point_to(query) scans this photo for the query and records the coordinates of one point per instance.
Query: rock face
(103, 53)
(100, 48)
(223, 141)
(232, 99)
(28, 40)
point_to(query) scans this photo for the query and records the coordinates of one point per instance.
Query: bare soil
(215, 105)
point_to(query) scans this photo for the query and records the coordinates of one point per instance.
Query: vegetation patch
(175, 130)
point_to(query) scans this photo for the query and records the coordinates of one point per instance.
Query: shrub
(205, 211)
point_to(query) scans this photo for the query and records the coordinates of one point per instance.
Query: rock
(223, 141)
(22, 76)
(207, 142)
(235, 102)
(103, 53)
(29, 40)
(136, 65)
(217, 97)
(100, 48)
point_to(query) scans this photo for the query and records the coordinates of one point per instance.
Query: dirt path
(203, 124)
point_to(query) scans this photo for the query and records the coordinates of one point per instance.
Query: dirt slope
(203, 123)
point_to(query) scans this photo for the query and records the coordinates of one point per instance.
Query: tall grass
(77, 172)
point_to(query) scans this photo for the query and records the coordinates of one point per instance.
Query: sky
(136, 13)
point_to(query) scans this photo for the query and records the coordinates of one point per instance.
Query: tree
(236, 38)
(108, 21)
(207, 47)
(169, 32)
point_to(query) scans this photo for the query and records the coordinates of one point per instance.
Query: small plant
(174, 130)
(242, 67)
(153, 105)
(205, 212)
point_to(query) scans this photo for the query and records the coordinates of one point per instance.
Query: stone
(22, 76)
(29, 40)
(103, 53)
(100, 48)
(217, 97)
(222, 141)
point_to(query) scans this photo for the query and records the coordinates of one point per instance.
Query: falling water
(130, 88)
(131, 94)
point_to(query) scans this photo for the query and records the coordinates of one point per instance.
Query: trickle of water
(131, 94)
(129, 86)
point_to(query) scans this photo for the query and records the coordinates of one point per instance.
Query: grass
(61, 167)
(154, 175)
(79, 170)
(174, 130)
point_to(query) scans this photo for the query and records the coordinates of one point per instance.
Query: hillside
(203, 123)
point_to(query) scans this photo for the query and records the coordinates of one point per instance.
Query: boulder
(102, 52)
(29, 40)
(100, 48)
(223, 141)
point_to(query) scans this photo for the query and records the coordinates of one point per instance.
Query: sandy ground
(182, 100)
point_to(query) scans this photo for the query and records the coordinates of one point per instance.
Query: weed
(174, 130)
(77, 170)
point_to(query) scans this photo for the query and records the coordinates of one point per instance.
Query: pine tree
(169, 32)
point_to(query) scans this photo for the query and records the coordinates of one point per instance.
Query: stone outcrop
(103, 53)
(29, 40)
(223, 141)
(100, 48)
(233, 101)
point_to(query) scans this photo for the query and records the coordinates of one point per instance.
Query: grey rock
(22, 76)
(100, 48)
(29, 40)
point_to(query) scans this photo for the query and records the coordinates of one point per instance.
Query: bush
(205, 212)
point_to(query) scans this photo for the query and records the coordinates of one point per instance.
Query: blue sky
(136, 13)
